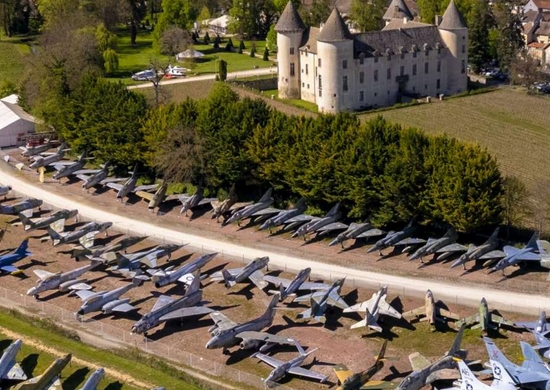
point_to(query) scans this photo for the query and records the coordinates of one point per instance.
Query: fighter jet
(543, 344)
(49, 380)
(289, 287)
(321, 224)
(226, 333)
(484, 319)
(9, 368)
(483, 252)
(130, 265)
(68, 168)
(93, 177)
(431, 311)
(373, 308)
(167, 308)
(230, 204)
(63, 281)
(319, 300)
(361, 380)
(130, 186)
(183, 274)
(515, 255)
(85, 235)
(261, 208)
(295, 213)
(93, 381)
(541, 325)
(401, 238)
(444, 247)
(49, 158)
(26, 207)
(7, 260)
(4, 190)
(34, 150)
(159, 197)
(56, 220)
(425, 372)
(239, 275)
(355, 231)
(106, 253)
(189, 202)
(108, 301)
(501, 379)
(293, 366)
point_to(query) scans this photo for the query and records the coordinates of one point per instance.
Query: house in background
(15, 123)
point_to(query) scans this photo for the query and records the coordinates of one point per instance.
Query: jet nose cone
(9, 188)
(32, 291)
(211, 344)
(334, 242)
(80, 312)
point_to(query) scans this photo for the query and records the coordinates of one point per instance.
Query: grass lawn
(12, 53)
(299, 103)
(179, 92)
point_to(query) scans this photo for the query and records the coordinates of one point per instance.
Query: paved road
(453, 293)
(231, 75)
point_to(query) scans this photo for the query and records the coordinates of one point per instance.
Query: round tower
(454, 32)
(290, 30)
(335, 65)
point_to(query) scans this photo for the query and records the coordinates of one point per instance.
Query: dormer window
(361, 58)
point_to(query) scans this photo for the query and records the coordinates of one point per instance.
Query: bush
(253, 51)
(266, 55)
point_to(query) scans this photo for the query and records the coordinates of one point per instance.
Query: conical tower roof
(452, 18)
(398, 10)
(335, 29)
(290, 20)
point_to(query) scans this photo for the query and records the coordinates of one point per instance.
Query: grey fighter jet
(49, 380)
(85, 235)
(355, 231)
(321, 224)
(252, 271)
(96, 177)
(261, 208)
(56, 220)
(289, 287)
(167, 308)
(484, 319)
(188, 202)
(432, 311)
(9, 368)
(373, 308)
(183, 274)
(483, 252)
(4, 190)
(68, 168)
(130, 264)
(106, 253)
(93, 381)
(49, 158)
(425, 372)
(226, 333)
(159, 197)
(515, 256)
(501, 379)
(444, 247)
(130, 186)
(293, 366)
(108, 301)
(63, 281)
(26, 207)
(35, 150)
(285, 215)
(397, 239)
(543, 344)
(228, 205)
(541, 325)
(320, 300)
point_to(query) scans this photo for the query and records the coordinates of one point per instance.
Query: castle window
(375, 59)
(402, 71)
(307, 69)
(303, 85)
(414, 54)
(376, 75)
(292, 69)
(345, 64)
(291, 51)
(426, 67)
(402, 55)
(361, 77)
(319, 62)
(463, 67)
(361, 58)
(345, 83)
(320, 86)
(308, 86)
(463, 49)
(414, 69)
(361, 96)
(439, 66)
(438, 85)
(425, 86)
(388, 73)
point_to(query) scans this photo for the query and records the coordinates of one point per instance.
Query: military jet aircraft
(129, 265)
(96, 177)
(229, 204)
(444, 247)
(106, 253)
(93, 381)
(130, 186)
(26, 207)
(425, 372)
(293, 366)
(56, 220)
(362, 380)
(239, 275)
(68, 168)
(431, 311)
(515, 255)
(541, 326)
(321, 224)
(49, 380)
(35, 150)
(484, 319)
(295, 213)
(320, 300)
(167, 308)
(373, 308)
(183, 274)
(289, 287)
(261, 208)
(4, 190)
(188, 202)
(63, 281)
(49, 158)
(501, 379)
(159, 197)
(7, 260)
(85, 235)
(400, 238)
(355, 231)
(483, 252)
(543, 344)
(108, 301)
(226, 333)
(9, 368)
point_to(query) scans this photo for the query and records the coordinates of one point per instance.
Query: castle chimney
(437, 20)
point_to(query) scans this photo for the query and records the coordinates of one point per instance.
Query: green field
(12, 59)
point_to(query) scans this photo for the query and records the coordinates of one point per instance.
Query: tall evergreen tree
(510, 39)
(478, 36)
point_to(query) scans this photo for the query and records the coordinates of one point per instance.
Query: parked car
(144, 75)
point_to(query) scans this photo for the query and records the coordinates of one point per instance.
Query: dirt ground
(337, 343)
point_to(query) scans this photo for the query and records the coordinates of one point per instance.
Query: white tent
(15, 123)
(189, 53)
(219, 25)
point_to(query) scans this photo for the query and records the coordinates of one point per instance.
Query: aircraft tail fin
(26, 221)
(122, 261)
(530, 354)
(334, 209)
(411, 221)
(56, 237)
(22, 249)
(300, 349)
(494, 235)
(228, 278)
(266, 196)
(270, 311)
(135, 171)
(301, 203)
(195, 284)
(382, 352)
(494, 353)
(533, 242)
(501, 378)
(455, 348)
(469, 380)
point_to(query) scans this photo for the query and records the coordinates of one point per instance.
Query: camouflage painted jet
(188, 202)
(106, 253)
(56, 220)
(130, 264)
(289, 287)
(49, 158)
(26, 207)
(49, 380)
(7, 260)
(93, 381)
(159, 197)
(183, 274)
(321, 225)
(230, 204)
(320, 300)
(251, 271)
(431, 311)
(9, 368)
(373, 308)
(362, 380)
(484, 319)
(444, 247)
(68, 168)
(284, 216)
(485, 251)
(85, 235)
(130, 186)
(515, 256)
(355, 231)
(400, 238)
(96, 177)
(260, 208)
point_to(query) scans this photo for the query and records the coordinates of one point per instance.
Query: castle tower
(397, 10)
(290, 29)
(334, 65)
(454, 32)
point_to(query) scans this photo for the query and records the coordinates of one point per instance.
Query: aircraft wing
(265, 337)
(42, 274)
(15, 372)
(171, 197)
(334, 299)
(447, 314)
(386, 309)
(55, 385)
(257, 277)
(269, 360)
(529, 256)
(313, 286)
(124, 308)
(10, 269)
(83, 177)
(456, 247)
(115, 186)
(58, 225)
(145, 195)
(510, 250)
(468, 320)
(162, 301)
(80, 286)
(266, 211)
(87, 241)
(342, 372)
(300, 218)
(148, 187)
(419, 311)
(378, 385)
(238, 205)
(112, 180)
(530, 377)
(361, 306)
(277, 281)
(410, 241)
(217, 276)
(186, 312)
(493, 255)
(206, 200)
(61, 163)
(221, 321)
(500, 320)
(86, 172)
(528, 325)
(418, 362)
(307, 373)
(332, 226)
(371, 233)
(85, 294)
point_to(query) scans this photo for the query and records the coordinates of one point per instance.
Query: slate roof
(398, 10)
(309, 40)
(399, 23)
(335, 29)
(290, 20)
(452, 19)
